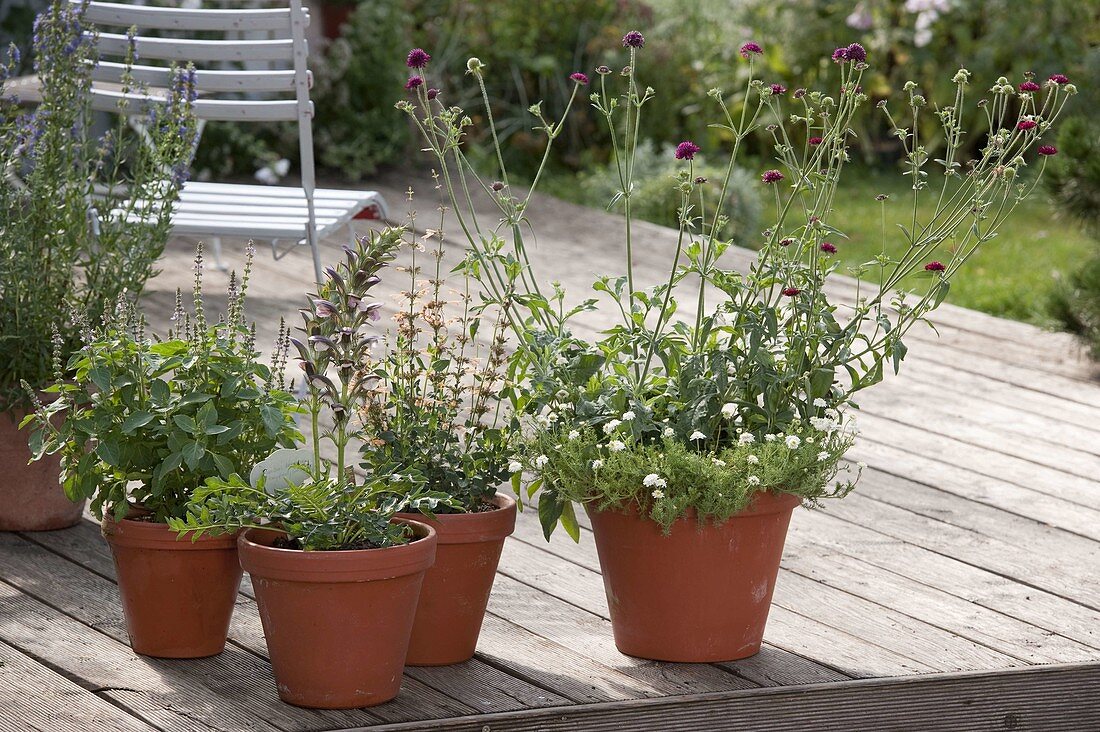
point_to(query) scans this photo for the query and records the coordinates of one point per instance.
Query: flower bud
(474, 65)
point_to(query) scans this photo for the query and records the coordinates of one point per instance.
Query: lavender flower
(418, 58)
(686, 150)
(633, 39)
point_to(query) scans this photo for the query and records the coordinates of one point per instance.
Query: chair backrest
(221, 58)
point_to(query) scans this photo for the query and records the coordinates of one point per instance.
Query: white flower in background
(771, 438)
(697, 435)
(574, 434)
(729, 410)
(515, 467)
(541, 461)
(746, 438)
(668, 432)
(860, 18)
(824, 424)
(822, 456)
(819, 402)
(792, 442)
(721, 464)
(658, 494)
(597, 464)
(628, 415)
(616, 446)
(752, 460)
(552, 417)
(611, 426)
(752, 480)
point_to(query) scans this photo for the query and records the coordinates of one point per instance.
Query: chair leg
(219, 263)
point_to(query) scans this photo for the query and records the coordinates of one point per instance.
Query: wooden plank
(1036, 699)
(482, 688)
(32, 697)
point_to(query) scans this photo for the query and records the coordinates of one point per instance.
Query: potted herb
(70, 235)
(146, 421)
(690, 439)
(436, 409)
(336, 575)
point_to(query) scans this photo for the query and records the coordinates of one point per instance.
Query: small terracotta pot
(456, 588)
(699, 594)
(337, 623)
(177, 595)
(31, 497)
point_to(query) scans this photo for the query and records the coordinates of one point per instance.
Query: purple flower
(633, 39)
(686, 150)
(603, 70)
(857, 53)
(1029, 86)
(778, 89)
(828, 247)
(432, 94)
(934, 267)
(1047, 150)
(840, 55)
(1027, 124)
(799, 93)
(815, 140)
(750, 48)
(786, 242)
(791, 291)
(771, 176)
(413, 82)
(497, 186)
(1059, 79)
(579, 78)
(418, 58)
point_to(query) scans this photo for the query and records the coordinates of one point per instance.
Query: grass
(1012, 276)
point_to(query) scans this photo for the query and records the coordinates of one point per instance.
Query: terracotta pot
(337, 623)
(699, 594)
(31, 497)
(456, 589)
(177, 595)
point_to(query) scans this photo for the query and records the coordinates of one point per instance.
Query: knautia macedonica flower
(633, 39)
(815, 140)
(686, 150)
(414, 82)
(1029, 86)
(777, 89)
(432, 94)
(1047, 150)
(791, 291)
(856, 52)
(771, 176)
(1027, 124)
(828, 247)
(1058, 79)
(786, 242)
(418, 58)
(603, 70)
(579, 78)
(840, 55)
(751, 48)
(935, 266)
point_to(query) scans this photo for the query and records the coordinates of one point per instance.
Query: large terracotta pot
(337, 623)
(699, 594)
(31, 497)
(177, 595)
(456, 589)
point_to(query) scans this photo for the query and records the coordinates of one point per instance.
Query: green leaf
(135, 420)
(216, 429)
(109, 452)
(192, 454)
(185, 423)
(550, 510)
(273, 419)
(569, 522)
(224, 464)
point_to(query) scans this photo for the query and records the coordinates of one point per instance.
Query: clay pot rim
(340, 565)
(763, 502)
(154, 535)
(473, 528)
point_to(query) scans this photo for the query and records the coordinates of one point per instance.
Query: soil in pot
(337, 623)
(31, 497)
(456, 589)
(699, 594)
(177, 595)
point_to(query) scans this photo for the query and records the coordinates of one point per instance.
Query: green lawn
(1011, 276)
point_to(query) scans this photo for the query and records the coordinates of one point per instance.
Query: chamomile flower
(792, 442)
(515, 467)
(616, 446)
(697, 435)
(752, 480)
(658, 493)
(541, 461)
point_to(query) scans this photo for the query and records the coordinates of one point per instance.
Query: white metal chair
(300, 215)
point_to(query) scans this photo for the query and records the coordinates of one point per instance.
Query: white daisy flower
(792, 442)
(746, 438)
(541, 461)
(628, 415)
(515, 467)
(752, 460)
(658, 494)
(668, 432)
(574, 434)
(597, 464)
(616, 446)
(611, 426)
(819, 402)
(697, 435)
(729, 410)
(752, 480)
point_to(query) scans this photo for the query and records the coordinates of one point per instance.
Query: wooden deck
(956, 589)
